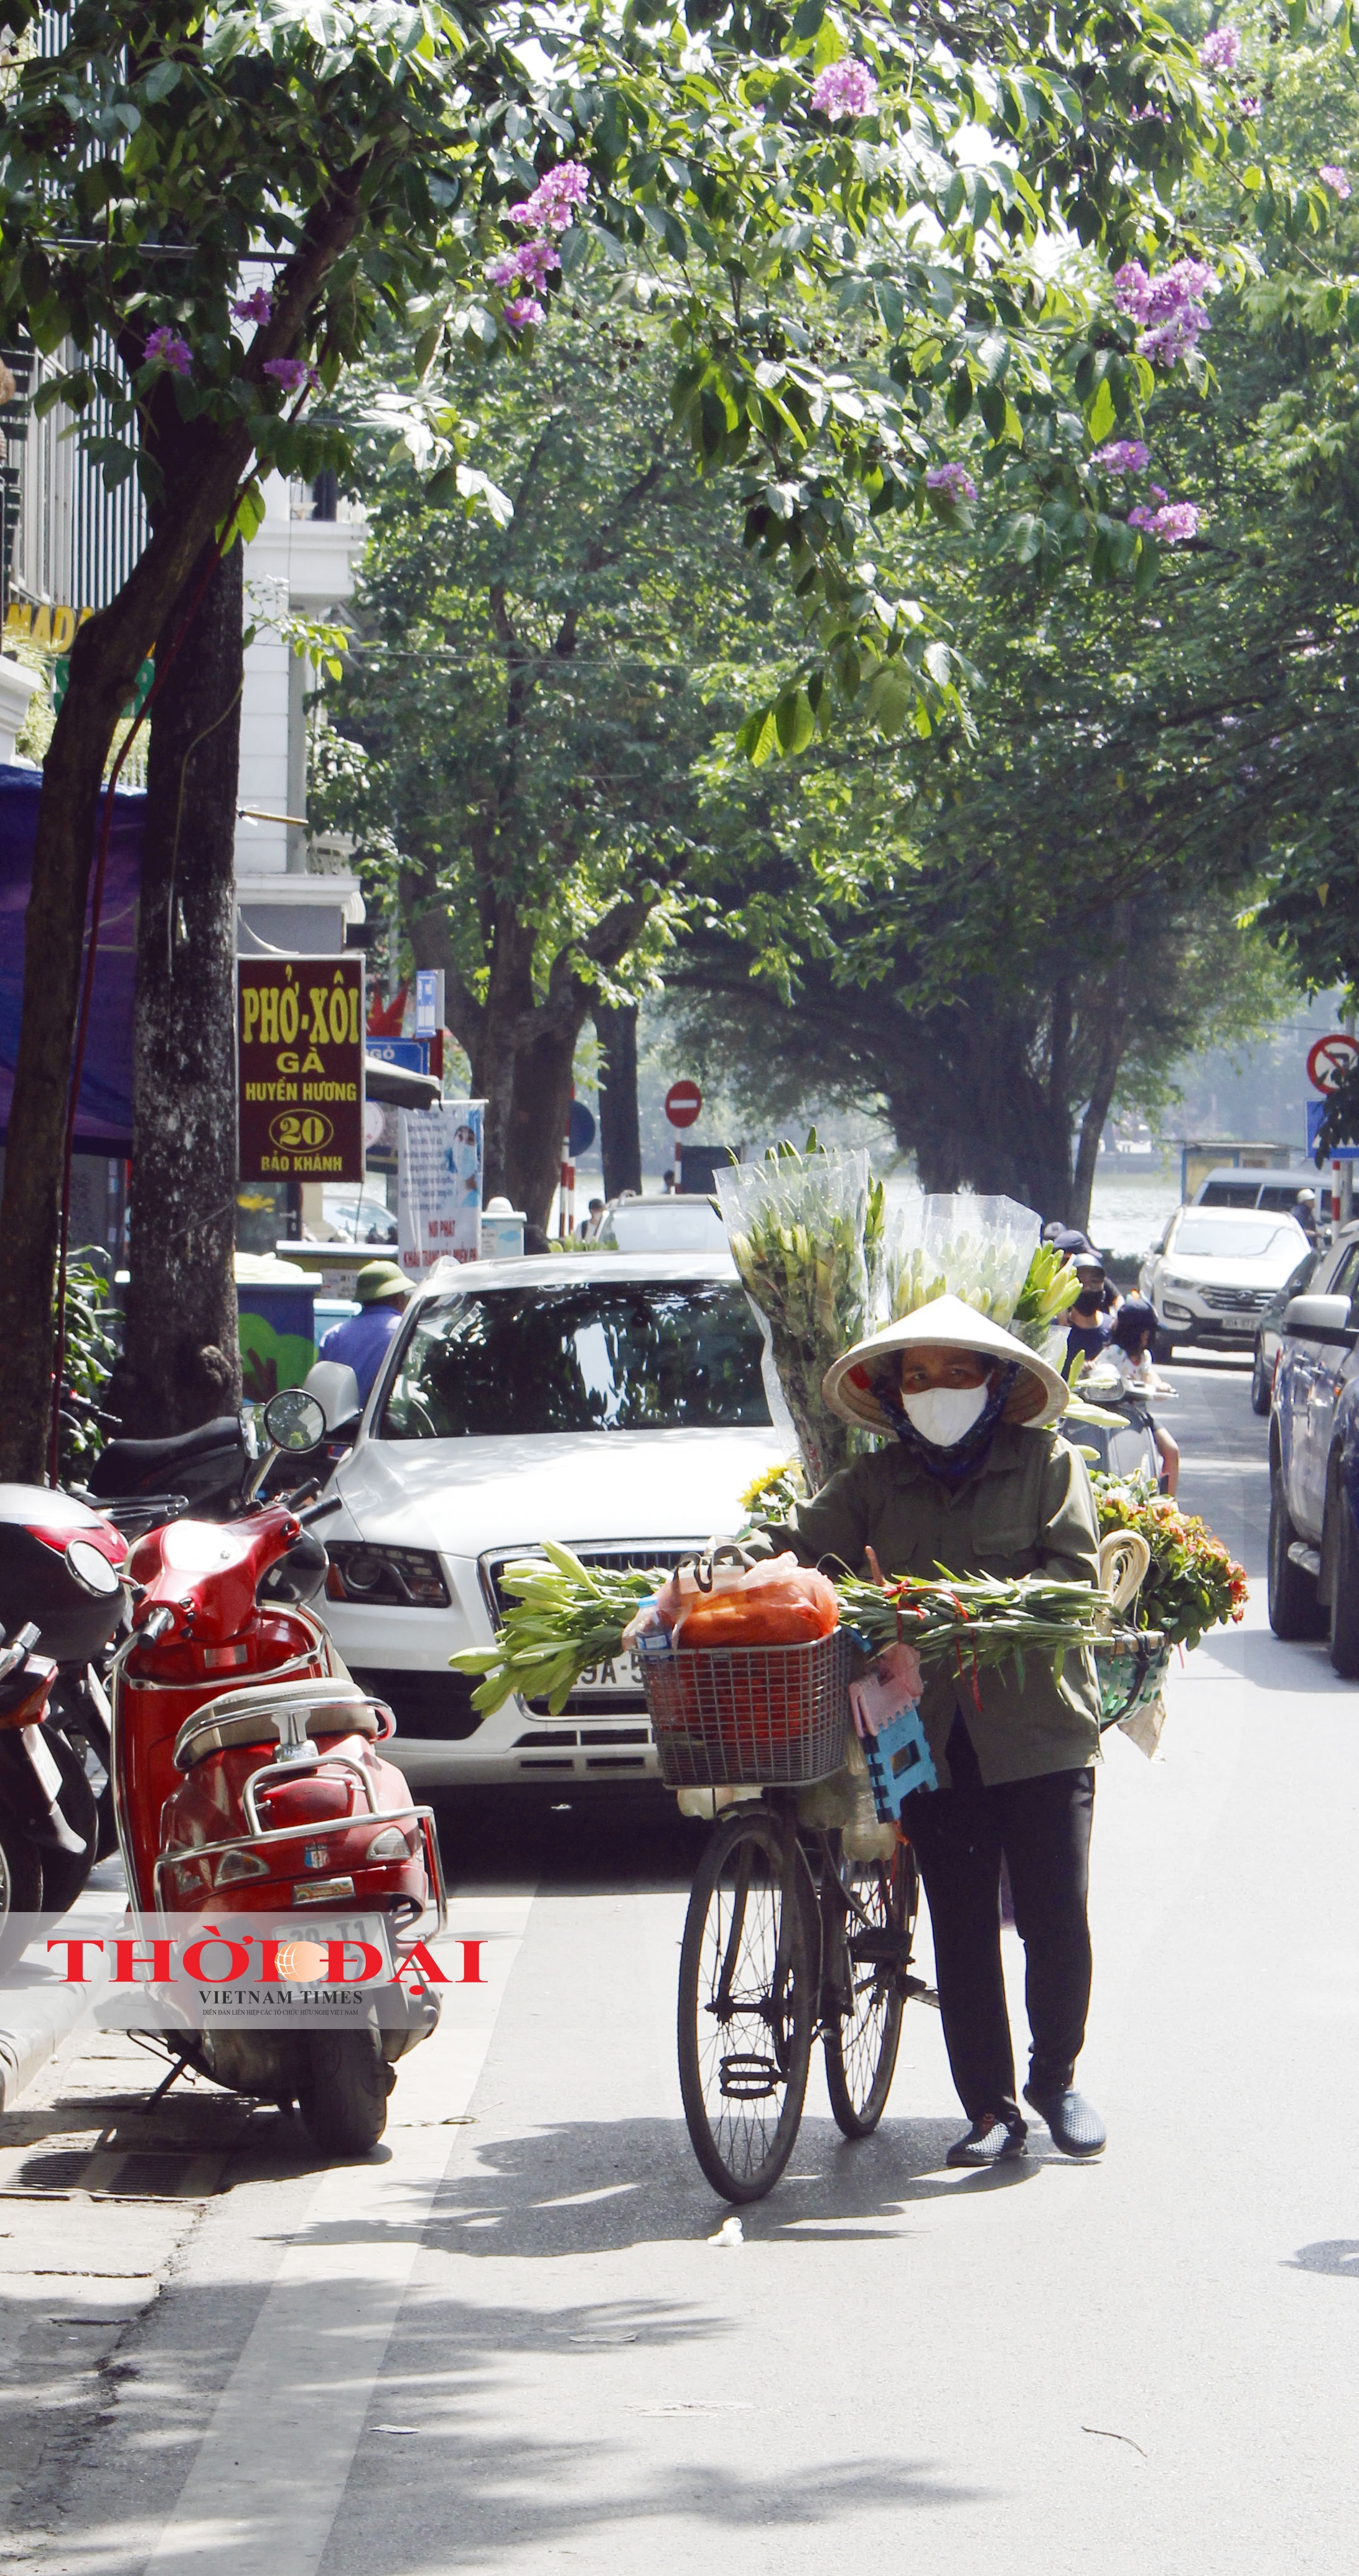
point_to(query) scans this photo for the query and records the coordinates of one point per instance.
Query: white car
(684, 1221)
(612, 1401)
(1215, 1271)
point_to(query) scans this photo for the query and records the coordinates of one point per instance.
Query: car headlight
(400, 1577)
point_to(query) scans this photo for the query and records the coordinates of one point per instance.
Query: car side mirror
(1320, 1319)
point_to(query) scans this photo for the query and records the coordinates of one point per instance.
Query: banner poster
(300, 1050)
(438, 1189)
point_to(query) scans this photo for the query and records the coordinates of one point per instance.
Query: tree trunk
(54, 938)
(540, 1108)
(1113, 1040)
(620, 1139)
(182, 1361)
(105, 658)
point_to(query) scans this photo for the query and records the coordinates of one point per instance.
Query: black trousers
(1043, 1829)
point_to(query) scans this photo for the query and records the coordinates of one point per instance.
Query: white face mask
(944, 1415)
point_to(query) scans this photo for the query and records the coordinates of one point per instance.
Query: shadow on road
(1338, 2255)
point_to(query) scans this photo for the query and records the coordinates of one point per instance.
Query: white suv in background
(1215, 1271)
(612, 1401)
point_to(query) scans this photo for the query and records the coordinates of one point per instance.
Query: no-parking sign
(1331, 1059)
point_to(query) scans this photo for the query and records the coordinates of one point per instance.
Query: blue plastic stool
(899, 1761)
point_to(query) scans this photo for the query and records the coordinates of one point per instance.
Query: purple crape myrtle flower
(1174, 522)
(1335, 180)
(1248, 109)
(291, 373)
(953, 480)
(844, 89)
(521, 310)
(258, 307)
(1123, 456)
(1170, 305)
(1157, 115)
(529, 265)
(1221, 51)
(166, 348)
(552, 206)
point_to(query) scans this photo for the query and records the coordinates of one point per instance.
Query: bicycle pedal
(927, 1994)
(748, 2079)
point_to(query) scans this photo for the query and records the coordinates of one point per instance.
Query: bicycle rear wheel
(745, 2006)
(861, 2042)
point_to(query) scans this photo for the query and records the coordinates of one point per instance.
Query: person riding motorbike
(1126, 1362)
(978, 1480)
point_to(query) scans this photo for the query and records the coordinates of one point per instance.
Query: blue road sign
(1316, 1111)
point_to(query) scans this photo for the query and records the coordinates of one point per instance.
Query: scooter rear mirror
(294, 1420)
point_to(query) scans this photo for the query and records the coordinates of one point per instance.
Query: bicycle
(776, 1955)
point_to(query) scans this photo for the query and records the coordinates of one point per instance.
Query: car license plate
(609, 1680)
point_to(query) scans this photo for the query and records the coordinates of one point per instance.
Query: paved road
(511, 2342)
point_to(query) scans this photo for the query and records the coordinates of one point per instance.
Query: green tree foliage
(372, 154)
(520, 729)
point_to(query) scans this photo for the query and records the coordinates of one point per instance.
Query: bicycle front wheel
(745, 2006)
(874, 1947)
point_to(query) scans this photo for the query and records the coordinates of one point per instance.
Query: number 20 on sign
(300, 1046)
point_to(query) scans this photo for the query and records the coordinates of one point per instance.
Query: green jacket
(1027, 1509)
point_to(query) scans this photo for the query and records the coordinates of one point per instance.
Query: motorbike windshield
(504, 1361)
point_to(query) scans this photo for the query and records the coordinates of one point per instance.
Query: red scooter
(247, 1782)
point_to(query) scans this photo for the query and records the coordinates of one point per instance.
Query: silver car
(1214, 1273)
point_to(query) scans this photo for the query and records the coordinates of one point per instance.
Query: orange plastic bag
(778, 1603)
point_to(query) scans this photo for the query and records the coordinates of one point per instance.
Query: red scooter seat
(250, 1717)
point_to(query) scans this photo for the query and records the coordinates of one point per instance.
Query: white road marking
(273, 2462)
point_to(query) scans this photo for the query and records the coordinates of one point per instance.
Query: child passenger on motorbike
(973, 1476)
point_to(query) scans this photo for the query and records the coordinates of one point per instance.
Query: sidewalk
(38, 2009)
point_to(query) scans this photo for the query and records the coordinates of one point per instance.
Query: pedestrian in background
(360, 1342)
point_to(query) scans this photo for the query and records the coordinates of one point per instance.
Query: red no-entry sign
(1331, 1059)
(683, 1102)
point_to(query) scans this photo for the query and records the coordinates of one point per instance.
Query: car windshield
(664, 1225)
(1226, 1238)
(625, 1356)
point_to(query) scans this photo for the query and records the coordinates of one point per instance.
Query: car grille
(621, 1701)
(437, 1706)
(1238, 1301)
(619, 1560)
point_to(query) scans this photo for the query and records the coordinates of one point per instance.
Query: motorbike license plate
(374, 1929)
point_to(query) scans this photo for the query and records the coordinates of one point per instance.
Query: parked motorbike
(47, 1820)
(61, 1568)
(140, 1483)
(246, 1780)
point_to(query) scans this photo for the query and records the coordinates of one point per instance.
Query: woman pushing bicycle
(977, 1480)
